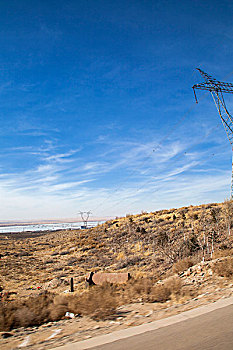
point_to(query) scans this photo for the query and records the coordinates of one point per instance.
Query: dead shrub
(31, 311)
(99, 302)
(162, 292)
(220, 253)
(24, 317)
(59, 307)
(57, 312)
(54, 254)
(72, 261)
(188, 291)
(224, 268)
(49, 261)
(65, 252)
(174, 284)
(182, 265)
(141, 288)
(173, 249)
(129, 261)
(145, 289)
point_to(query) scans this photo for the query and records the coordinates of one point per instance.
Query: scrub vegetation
(159, 249)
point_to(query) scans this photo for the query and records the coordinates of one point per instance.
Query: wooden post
(72, 284)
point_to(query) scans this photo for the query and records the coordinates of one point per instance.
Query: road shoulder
(129, 332)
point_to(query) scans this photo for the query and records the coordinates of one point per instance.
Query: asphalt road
(208, 327)
(211, 331)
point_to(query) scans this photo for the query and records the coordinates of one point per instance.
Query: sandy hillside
(177, 258)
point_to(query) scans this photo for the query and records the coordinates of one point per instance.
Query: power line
(171, 131)
(217, 88)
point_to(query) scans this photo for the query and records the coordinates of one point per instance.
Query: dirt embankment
(178, 259)
(105, 309)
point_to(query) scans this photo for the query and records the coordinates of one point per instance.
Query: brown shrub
(59, 307)
(24, 316)
(56, 313)
(138, 289)
(182, 265)
(188, 291)
(162, 292)
(32, 311)
(220, 253)
(129, 261)
(99, 302)
(224, 268)
(145, 289)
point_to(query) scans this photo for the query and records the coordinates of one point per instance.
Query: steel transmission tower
(85, 216)
(217, 89)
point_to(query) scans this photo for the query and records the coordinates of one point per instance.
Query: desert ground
(178, 259)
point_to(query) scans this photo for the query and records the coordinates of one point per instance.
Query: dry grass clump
(147, 290)
(220, 253)
(128, 261)
(160, 293)
(183, 265)
(163, 292)
(172, 289)
(32, 311)
(138, 290)
(224, 268)
(99, 303)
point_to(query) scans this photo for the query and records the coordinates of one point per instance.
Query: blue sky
(97, 111)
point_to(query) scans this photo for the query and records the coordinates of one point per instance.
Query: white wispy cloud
(150, 178)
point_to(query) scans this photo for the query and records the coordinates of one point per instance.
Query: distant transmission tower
(216, 89)
(85, 216)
